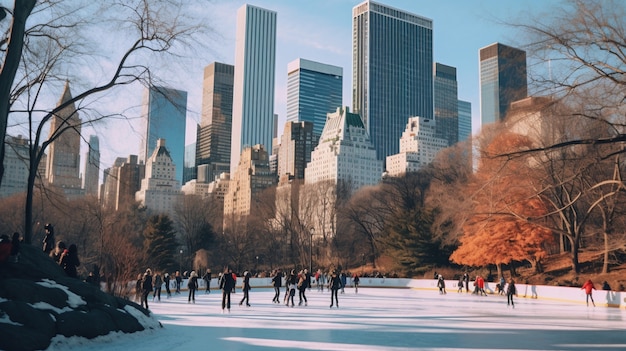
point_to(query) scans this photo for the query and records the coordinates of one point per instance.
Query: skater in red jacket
(588, 287)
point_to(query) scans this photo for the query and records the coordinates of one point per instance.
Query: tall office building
(313, 90)
(63, 164)
(190, 171)
(214, 132)
(110, 184)
(294, 152)
(465, 120)
(92, 167)
(164, 117)
(502, 80)
(446, 103)
(253, 94)
(392, 65)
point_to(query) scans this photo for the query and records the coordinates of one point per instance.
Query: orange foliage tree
(499, 229)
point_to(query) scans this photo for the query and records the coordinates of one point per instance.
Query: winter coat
(246, 282)
(69, 262)
(510, 290)
(227, 283)
(588, 286)
(277, 281)
(192, 284)
(147, 282)
(335, 282)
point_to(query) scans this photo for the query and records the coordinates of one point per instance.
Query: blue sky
(321, 30)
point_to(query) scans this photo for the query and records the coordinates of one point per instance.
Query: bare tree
(58, 42)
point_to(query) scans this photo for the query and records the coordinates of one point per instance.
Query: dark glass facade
(503, 80)
(213, 141)
(446, 103)
(392, 72)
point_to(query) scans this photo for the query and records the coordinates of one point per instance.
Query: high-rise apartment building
(392, 71)
(503, 80)
(160, 190)
(419, 145)
(253, 92)
(63, 164)
(92, 167)
(164, 117)
(294, 152)
(313, 90)
(213, 142)
(121, 181)
(251, 176)
(446, 103)
(344, 153)
(465, 120)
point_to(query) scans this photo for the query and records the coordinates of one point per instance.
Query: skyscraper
(92, 167)
(160, 190)
(63, 164)
(164, 117)
(313, 90)
(253, 94)
(446, 103)
(294, 152)
(15, 177)
(502, 80)
(392, 65)
(214, 132)
(465, 120)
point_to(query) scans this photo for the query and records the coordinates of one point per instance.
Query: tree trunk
(12, 58)
(605, 265)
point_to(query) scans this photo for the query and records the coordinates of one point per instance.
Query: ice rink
(373, 319)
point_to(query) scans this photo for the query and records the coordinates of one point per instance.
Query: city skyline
(319, 31)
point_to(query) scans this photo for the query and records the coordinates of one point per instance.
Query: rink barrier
(602, 298)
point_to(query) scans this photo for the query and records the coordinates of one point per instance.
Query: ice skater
(441, 284)
(588, 287)
(510, 291)
(246, 289)
(334, 285)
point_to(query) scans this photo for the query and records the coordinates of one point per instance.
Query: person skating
(147, 287)
(334, 285)
(227, 284)
(246, 289)
(192, 285)
(302, 286)
(356, 281)
(588, 287)
(277, 283)
(207, 279)
(292, 281)
(441, 284)
(166, 280)
(510, 291)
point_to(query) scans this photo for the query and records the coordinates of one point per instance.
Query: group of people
(66, 257)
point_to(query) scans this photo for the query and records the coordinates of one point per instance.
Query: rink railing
(604, 298)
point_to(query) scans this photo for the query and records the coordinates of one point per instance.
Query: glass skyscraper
(253, 92)
(392, 71)
(446, 103)
(214, 132)
(502, 80)
(313, 90)
(164, 117)
(465, 120)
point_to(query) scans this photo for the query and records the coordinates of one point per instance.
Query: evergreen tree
(410, 241)
(160, 242)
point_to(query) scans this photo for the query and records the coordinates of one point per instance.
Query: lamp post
(312, 231)
(180, 262)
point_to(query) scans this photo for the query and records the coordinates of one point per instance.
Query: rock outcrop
(38, 302)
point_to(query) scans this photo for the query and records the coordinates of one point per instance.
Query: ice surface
(374, 319)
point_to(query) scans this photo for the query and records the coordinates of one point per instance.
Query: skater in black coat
(334, 285)
(227, 284)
